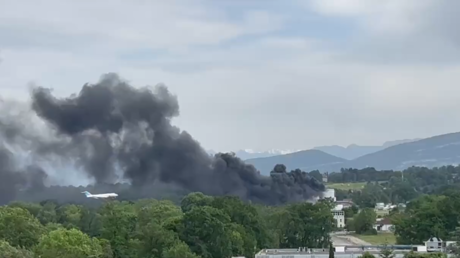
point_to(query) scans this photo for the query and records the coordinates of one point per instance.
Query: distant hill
(306, 160)
(430, 152)
(354, 151)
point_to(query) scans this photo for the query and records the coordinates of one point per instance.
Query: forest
(200, 226)
(394, 186)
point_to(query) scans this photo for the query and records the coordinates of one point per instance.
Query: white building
(383, 225)
(339, 216)
(329, 193)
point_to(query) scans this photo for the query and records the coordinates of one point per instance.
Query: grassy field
(382, 238)
(347, 186)
(382, 213)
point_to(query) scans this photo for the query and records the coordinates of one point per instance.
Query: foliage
(364, 221)
(393, 186)
(424, 255)
(428, 216)
(351, 211)
(386, 252)
(72, 243)
(366, 255)
(19, 227)
(8, 251)
(201, 227)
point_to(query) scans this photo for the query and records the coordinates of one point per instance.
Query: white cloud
(131, 24)
(240, 84)
(390, 16)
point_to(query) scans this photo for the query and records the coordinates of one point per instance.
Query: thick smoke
(114, 131)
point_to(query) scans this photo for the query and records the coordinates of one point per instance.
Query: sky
(256, 74)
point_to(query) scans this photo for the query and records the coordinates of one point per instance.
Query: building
(339, 216)
(434, 244)
(329, 193)
(383, 225)
(325, 175)
(346, 203)
(339, 251)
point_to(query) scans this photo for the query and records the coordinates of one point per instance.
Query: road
(343, 239)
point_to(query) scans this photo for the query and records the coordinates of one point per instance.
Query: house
(384, 225)
(434, 244)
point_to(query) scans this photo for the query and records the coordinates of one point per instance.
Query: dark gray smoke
(13, 180)
(112, 129)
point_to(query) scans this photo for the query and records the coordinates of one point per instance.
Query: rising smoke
(114, 131)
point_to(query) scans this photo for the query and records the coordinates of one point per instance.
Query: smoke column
(111, 128)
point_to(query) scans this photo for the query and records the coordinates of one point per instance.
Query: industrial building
(433, 244)
(329, 193)
(339, 251)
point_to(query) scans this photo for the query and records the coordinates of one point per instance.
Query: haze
(253, 74)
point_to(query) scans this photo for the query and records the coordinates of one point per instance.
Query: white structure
(434, 244)
(339, 216)
(347, 203)
(329, 193)
(100, 196)
(379, 205)
(383, 225)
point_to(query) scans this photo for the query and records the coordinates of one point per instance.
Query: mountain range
(429, 152)
(354, 151)
(351, 152)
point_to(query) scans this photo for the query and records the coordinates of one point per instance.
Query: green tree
(154, 240)
(179, 250)
(90, 222)
(194, 200)
(48, 213)
(158, 212)
(70, 215)
(68, 243)
(245, 215)
(386, 252)
(33, 208)
(454, 248)
(119, 220)
(53, 226)
(206, 231)
(364, 221)
(351, 211)
(424, 218)
(8, 251)
(366, 255)
(19, 227)
(306, 224)
(370, 195)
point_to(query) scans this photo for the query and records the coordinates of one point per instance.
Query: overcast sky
(257, 74)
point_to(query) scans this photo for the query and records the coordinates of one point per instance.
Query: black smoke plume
(111, 130)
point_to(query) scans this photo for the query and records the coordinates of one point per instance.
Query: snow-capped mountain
(252, 154)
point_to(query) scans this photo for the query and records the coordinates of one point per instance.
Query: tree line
(429, 216)
(424, 217)
(200, 226)
(395, 187)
